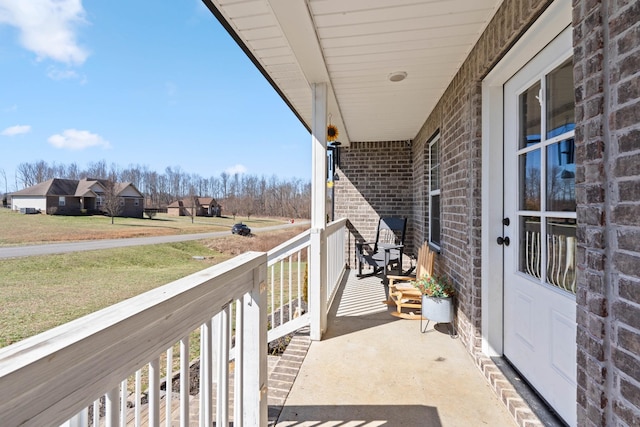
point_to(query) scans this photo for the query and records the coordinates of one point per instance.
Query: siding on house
(36, 202)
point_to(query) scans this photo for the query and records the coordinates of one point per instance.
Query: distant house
(74, 197)
(203, 206)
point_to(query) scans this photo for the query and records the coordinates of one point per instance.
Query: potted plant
(437, 298)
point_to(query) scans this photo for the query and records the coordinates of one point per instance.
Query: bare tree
(240, 194)
(73, 171)
(25, 175)
(195, 204)
(3, 174)
(97, 170)
(224, 179)
(112, 203)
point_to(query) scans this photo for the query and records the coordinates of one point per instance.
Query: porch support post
(317, 277)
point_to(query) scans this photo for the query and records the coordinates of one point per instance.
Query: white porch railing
(336, 256)
(106, 368)
(287, 267)
(48, 378)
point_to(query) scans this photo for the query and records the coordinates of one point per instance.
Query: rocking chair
(403, 294)
(386, 251)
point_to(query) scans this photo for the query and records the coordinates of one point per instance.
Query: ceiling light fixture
(397, 76)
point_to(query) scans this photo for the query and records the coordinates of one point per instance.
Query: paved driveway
(91, 245)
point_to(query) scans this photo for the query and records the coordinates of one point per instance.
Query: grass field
(38, 293)
(18, 229)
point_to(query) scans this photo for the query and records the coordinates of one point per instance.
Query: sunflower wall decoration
(332, 133)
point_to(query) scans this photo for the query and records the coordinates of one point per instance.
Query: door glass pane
(529, 179)
(529, 245)
(561, 176)
(529, 106)
(560, 100)
(561, 253)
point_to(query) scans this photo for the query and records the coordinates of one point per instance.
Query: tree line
(239, 194)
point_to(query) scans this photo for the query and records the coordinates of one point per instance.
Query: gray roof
(202, 201)
(84, 187)
(69, 187)
(51, 187)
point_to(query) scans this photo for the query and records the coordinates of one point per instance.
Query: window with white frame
(62, 201)
(99, 201)
(434, 191)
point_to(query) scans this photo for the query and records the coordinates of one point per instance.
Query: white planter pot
(437, 309)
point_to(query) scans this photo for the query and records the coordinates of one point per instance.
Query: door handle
(503, 240)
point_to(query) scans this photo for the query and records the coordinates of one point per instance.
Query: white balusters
(168, 387)
(138, 398)
(239, 365)
(123, 402)
(222, 396)
(154, 392)
(206, 374)
(184, 381)
(112, 415)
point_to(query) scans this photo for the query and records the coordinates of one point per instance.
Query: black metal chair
(386, 251)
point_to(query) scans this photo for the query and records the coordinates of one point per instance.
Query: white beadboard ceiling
(353, 45)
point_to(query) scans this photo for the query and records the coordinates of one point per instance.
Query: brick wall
(607, 65)
(458, 118)
(624, 151)
(607, 78)
(363, 194)
(375, 180)
(130, 209)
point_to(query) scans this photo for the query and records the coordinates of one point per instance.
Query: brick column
(607, 64)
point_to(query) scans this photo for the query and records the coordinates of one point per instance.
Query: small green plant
(435, 286)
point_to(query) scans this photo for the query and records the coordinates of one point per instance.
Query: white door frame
(552, 22)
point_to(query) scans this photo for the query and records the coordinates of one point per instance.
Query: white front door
(540, 232)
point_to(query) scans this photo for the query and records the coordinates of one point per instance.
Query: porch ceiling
(354, 45)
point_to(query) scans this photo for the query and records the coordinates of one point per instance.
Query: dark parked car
(240, 229)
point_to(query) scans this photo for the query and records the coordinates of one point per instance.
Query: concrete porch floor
(373, 369)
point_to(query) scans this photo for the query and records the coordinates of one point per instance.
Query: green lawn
(41, 292)
(38, 293)
(16, 229)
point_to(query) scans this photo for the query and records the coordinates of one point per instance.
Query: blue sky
(158, 84)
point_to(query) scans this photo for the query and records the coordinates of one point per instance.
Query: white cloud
(73, 139)
(11, 109)
(47, 27)
(236, 169)
(16, 130)
(58, 74)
